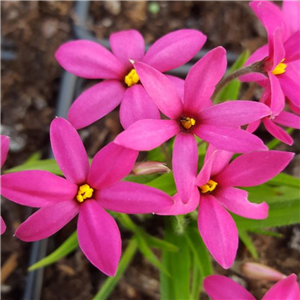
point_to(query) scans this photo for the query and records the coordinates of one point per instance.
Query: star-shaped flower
(87, 191)
(91, 60)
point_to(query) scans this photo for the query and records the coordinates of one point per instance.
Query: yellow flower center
(187, 122)
(208, 187)
(84, 192)
(279, 69)
(131, 78)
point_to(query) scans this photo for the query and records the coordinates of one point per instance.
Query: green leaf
(281, 213)
(175, 287)
(67, 247)
(149, 255)
(266, 232)
(199, 250)
(111, 282)
(159, 243)
(232, 89)
(285, 179)
(49, 165)
(247, 241)
(165, 183)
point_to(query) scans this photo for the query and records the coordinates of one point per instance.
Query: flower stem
(256, 67)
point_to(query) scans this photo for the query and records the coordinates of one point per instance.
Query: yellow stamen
(279, 69)
(131, 78)
(187, 122)
(208, 187)
(84, 192)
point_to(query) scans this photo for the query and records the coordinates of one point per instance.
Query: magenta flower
(281, 55)
(4, 151)
(215, 192)
(86, 191)
(193, 115)
(219, 287)
(91, 60)
(271, 122)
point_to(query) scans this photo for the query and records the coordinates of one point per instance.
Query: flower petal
(236, 201)
(69, 151)
(285, 289)
(221, 287)
(254, 168)
(47, 221)
(160, 89)
(99, 237)
(111, 164)
(252, 127)
(184, 162)
(292, 49)
(202, 78)
(174, 49)
(181, 208)
(133, 198)
(137, 105)
(4, 148)
(277, 97)
(218, 231)
(95, 103)
(221, 159)
(229, 139)
(291, 12)
(90, 60)
(36, 188)
(278, 132)
(288, 120)
(205, 172)
(2, 226)
(145, 135)
(178, 84)
(271, 17)
(289, 82)
(127, 44)
(234, 113)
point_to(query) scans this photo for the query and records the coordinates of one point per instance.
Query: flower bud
(258, 271)
(150, 167)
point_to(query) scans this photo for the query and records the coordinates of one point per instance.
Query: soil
(31, 32)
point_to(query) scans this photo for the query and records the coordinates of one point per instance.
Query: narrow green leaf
(197, 280)
(49, 165)
(247, 241)
(159, 243)
(285, 179)
(281, 213)
(232, 89)
(178, 264)
(267, 232)
(67, 247)
(109, 284)
(165, 183)
(199, 250)
(35, 156)
(148, 253)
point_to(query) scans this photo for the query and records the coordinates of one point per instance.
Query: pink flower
(87, 191)
(215, 186)
(281, 55)
(219, 287)
(4, 151)
(91, 60)
(193, 114)
(271, 123)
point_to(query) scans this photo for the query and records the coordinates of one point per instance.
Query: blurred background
(31, 82)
